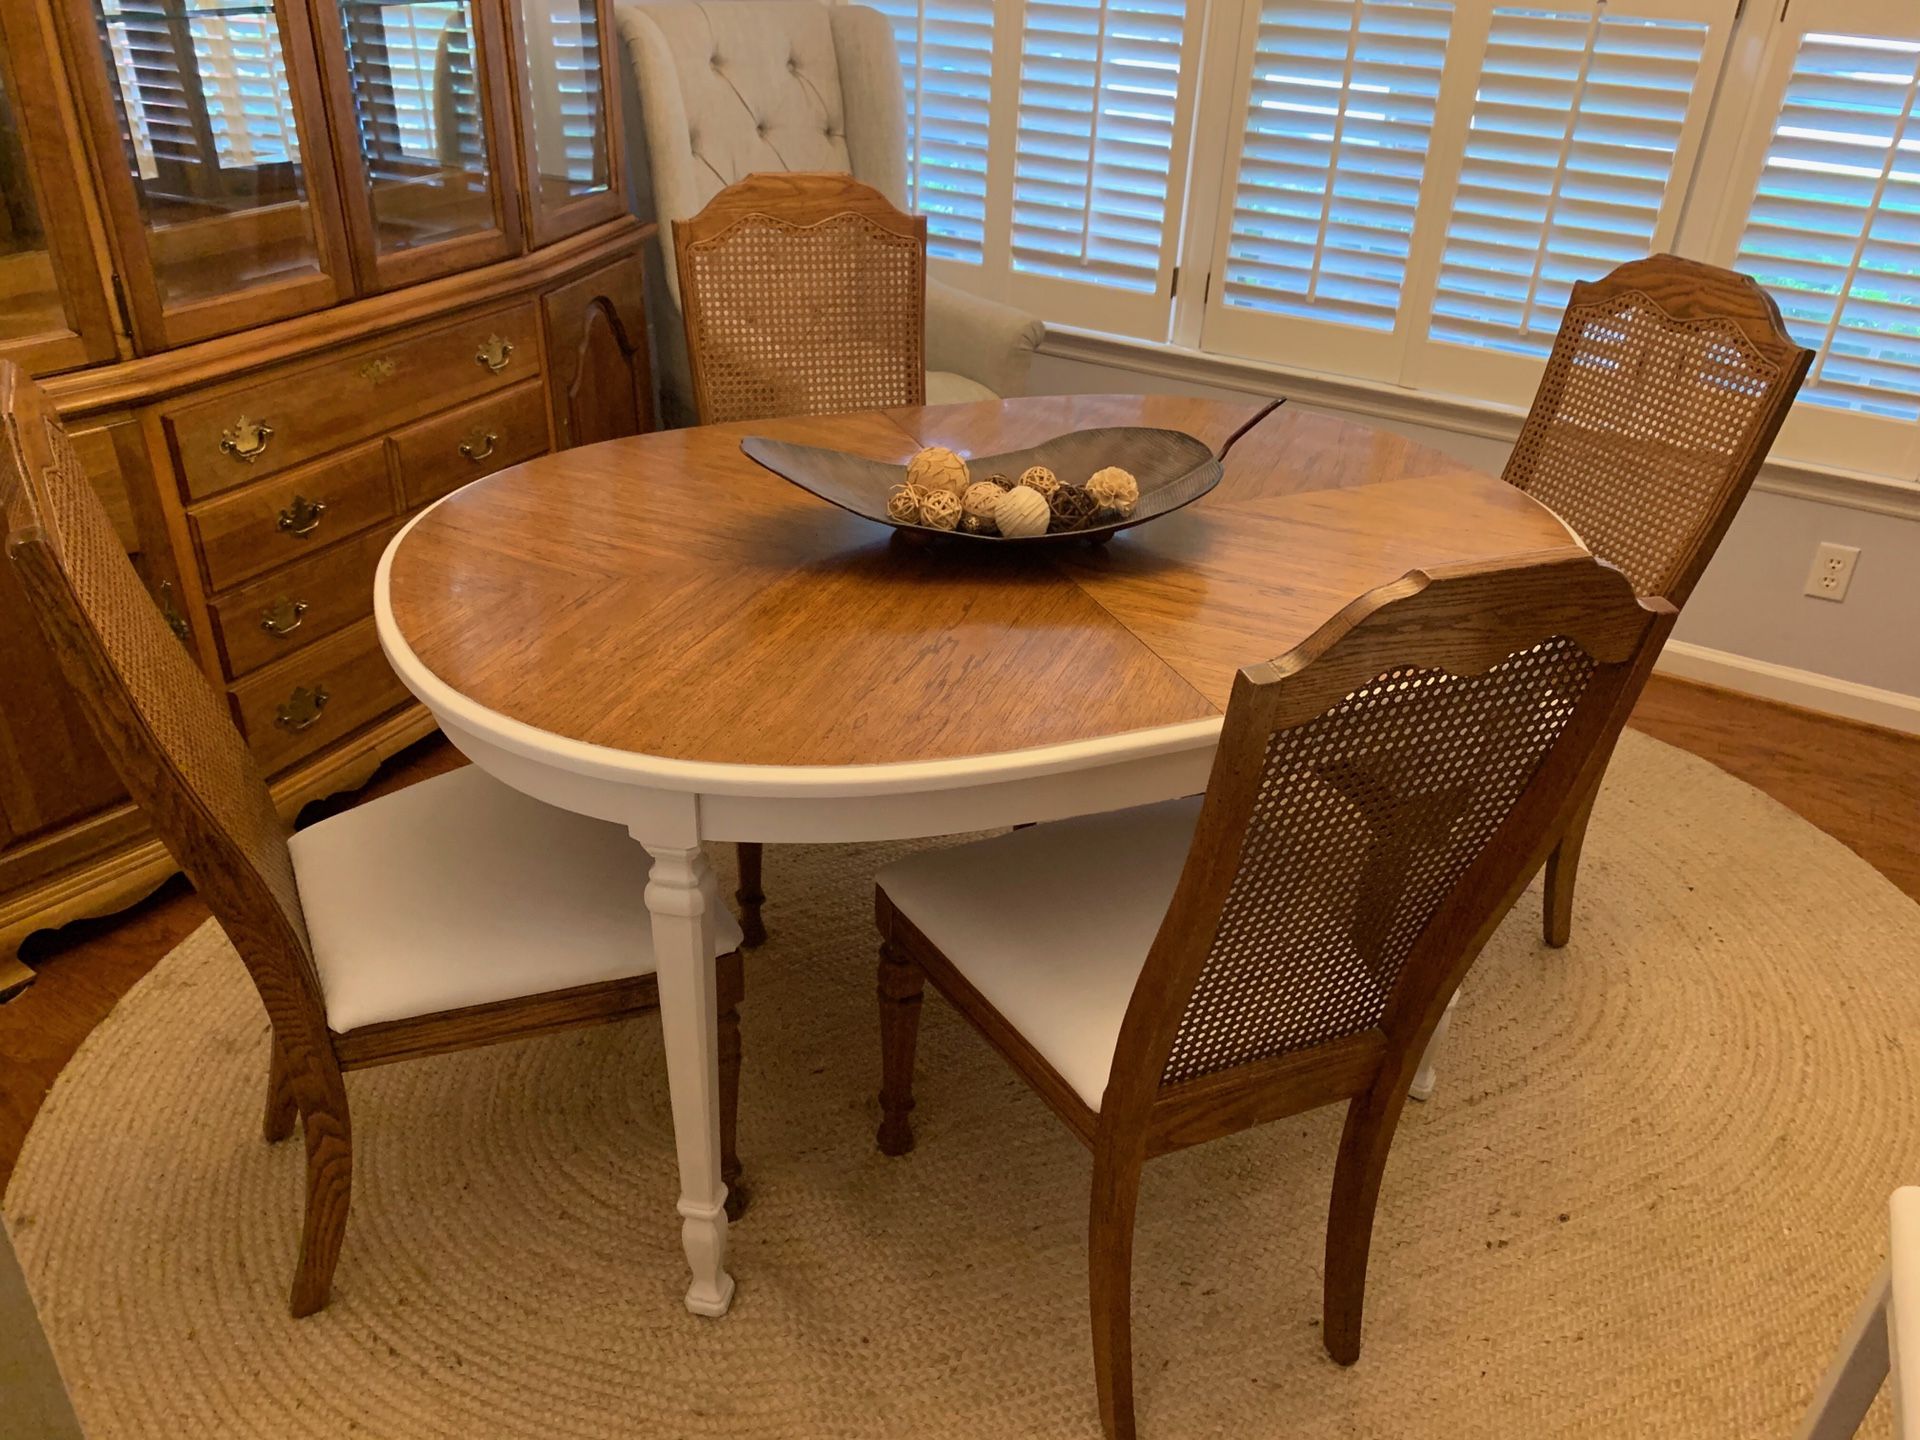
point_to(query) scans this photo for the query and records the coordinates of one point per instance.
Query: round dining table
(658, 632)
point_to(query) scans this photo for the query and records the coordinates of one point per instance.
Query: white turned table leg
(681, 895)
(1423, 1079)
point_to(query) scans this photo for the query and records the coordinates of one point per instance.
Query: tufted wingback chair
(721, 90)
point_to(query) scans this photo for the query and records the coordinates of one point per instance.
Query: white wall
(1748, 620)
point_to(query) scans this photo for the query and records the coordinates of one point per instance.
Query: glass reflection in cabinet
(567, 99)
(211, 141)
(30, 302)
(416, 95)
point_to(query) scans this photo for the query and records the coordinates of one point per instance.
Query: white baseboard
(1804, 688)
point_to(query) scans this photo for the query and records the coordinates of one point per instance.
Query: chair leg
(1116, 1195)
(731, 977)
(329, 1192)
(753, 930)
(901, 984)
(1371, 1120)
(1424, 1079)
(1563, 868)
(281, 1106)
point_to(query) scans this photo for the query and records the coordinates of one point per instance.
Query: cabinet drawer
(310, 409)
(444, 453)
(307, 701)
(291, 608)
(266, 526)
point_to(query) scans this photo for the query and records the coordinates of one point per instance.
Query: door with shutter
(1832, 171)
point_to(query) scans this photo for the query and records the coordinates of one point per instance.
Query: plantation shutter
(1100, 114)
(946, 58)
(1326, 189)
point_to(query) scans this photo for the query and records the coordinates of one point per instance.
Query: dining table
(659, 632)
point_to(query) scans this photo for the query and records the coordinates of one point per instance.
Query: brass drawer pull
(303, 707)
(245, 439)
(283, 616)
(478, 446)
(494, 353)
(302, 518)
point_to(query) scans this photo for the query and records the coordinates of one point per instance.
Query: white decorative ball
(1115, 489)
(940, 509)
(1021, 512)
(938, 468)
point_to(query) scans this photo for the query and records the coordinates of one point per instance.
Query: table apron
(682, 817)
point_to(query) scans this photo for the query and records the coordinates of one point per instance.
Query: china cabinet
(291, 269)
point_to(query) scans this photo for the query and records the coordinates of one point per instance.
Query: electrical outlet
(1832, 571)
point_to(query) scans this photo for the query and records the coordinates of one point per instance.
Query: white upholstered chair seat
(460, 891)
(1052, 924)
(944, 387)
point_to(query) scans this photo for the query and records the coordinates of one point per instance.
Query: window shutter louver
(1568, 167)
(1834, 231)
(1099, 117)
(1339, 117)
(946, 58)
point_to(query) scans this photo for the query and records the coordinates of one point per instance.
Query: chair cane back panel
(1666, 385)
(802, 295)
(1364, 821)
(1375, 796)
(161, 723)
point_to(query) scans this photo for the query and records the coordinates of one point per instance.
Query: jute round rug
(1645, 1200)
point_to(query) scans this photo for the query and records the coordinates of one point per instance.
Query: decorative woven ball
(940, 510)
(1114, 489)
(978, 525)
(1072, 507)
(1039, 477)
(903, 504)
(1021, 512)
(1004, 482)
(938, 468)
(979, 503)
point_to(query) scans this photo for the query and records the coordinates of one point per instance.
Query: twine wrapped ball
(1021, 512)
(1071, 507)
(979, 503)
(938, 468)
(1040, 478)
(903, 504)
(1114, 489)
(940, 510)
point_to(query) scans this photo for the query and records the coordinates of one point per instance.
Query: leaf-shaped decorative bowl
(1173, 469)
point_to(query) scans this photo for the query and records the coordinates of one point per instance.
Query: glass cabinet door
(568, 119)
(430, 188)
(223, 200)
(53, 305)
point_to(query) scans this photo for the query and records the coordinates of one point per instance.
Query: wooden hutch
(291, 269)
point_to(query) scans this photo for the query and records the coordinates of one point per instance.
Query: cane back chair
(1665, 388)
(803, 294)
(1167, 975)
(453, 914)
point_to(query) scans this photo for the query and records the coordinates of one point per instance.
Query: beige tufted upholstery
(730, 88)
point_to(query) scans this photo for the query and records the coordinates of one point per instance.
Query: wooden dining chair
(802, 294)
(453, 914)
(1665, 388)
(1166, 975)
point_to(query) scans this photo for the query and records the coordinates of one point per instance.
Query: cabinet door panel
(222, 202)
(564, 56)
(601, 378)
(425, 134)
(53, 307)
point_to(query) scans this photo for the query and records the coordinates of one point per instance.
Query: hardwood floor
(1859, 784)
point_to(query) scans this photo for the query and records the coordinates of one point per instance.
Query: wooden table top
(665, 595)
